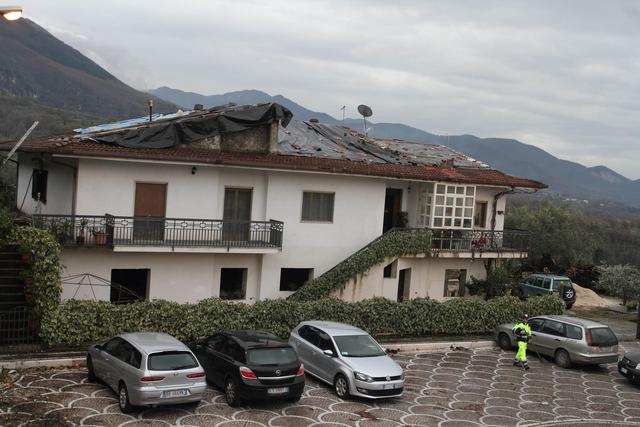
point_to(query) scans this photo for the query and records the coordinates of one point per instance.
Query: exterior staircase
(18, 330)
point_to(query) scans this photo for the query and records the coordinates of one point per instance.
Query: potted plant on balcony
(80, 238)
(99, 235)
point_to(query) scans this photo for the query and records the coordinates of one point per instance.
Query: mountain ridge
(566, 178)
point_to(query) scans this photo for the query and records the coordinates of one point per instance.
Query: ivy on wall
(395, 243)
(44, 268)
(75, 323)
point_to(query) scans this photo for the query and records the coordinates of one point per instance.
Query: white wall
(427, 278)
(357, 220)
(59, 185)
(176, 277)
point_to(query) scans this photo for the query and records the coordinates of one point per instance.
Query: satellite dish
(365, 110)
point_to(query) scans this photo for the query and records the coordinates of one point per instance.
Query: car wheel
(562, 359)
(504, 341)
(123, 399)
(91, 373)
(341, 387)
(294, 399)
(231, 392)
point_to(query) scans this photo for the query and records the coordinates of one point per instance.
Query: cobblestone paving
(457, 388)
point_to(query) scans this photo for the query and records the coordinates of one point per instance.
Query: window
(113, 346)
(324, 341)
(171, 361)
(129, 285)
(574, 332)
(552, 327)
(546, 284)
(307, 333)
(602, 337)
(391, 270)
(292, 278)
(538, 282)
(454, 283)
(233, 350)
(39, 185)
(535, 324)
(272, 356)
(233, 283)
(317, 206)
(480, 215)
(215, 342)
(129, 355)
(453, 206)
(425, 195)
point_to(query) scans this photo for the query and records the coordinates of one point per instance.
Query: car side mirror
(98, 347)
(328, 353)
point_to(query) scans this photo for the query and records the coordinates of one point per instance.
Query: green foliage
(584, 274)
(495, 285)
(45, 266)
(395, 243)
(620, 280)
(82, 322)
(559, 235)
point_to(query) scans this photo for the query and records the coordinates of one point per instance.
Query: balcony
(476, 243)
(138, 234)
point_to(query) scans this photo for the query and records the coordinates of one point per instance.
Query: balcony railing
(449, 240)
(109, 230)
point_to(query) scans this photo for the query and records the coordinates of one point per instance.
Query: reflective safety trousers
(521, 355)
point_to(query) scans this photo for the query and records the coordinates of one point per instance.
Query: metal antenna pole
(15, 148)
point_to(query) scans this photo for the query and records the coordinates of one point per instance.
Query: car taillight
(150, 379)
(300, 371)
(587, 337)
(196, 375)
(247, 373)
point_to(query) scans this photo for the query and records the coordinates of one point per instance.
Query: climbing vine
(395, 243)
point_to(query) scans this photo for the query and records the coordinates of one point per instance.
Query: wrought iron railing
(449, 240)
(109, 230)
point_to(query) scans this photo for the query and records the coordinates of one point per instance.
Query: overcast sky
(561, 75)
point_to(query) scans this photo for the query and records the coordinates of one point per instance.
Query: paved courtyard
(457, 388)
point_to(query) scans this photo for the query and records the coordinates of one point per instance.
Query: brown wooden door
(392, 206)
(149, 211)
(237, 214)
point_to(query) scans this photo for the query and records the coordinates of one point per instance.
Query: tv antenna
(365, 111)
(19, 143)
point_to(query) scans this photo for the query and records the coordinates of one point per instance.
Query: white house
(242, 203)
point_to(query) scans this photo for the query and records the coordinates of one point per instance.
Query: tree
(560, 236)
(620, 280)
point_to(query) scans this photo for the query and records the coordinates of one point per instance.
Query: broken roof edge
(485, 177)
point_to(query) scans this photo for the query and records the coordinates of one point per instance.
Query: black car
(628, 366)
(251, 365)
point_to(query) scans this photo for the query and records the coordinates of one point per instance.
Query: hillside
(566, 179)
(17, 114)
(34, 64)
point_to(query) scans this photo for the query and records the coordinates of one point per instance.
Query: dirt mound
(587, 298)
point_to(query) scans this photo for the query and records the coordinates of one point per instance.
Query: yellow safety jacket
(522, 331)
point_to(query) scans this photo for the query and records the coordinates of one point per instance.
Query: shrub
(45, 267)
(620, 280)
(495, 285)
(394, 243)
(81, 322)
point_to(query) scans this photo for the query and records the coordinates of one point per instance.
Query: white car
(347, 358)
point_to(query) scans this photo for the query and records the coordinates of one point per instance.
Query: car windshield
(358, 346)
(561, 283)
(603, 337)
(171, 361)
(271, 356)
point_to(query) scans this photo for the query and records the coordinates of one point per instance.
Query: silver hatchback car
(347, 358)
(567, 339)
(147, 369)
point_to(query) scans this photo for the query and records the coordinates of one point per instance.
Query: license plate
(389, 386)
(279, 390)
(605, 349)
(175, 393)
(623, 370)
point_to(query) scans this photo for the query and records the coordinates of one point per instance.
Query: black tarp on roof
(194, 127)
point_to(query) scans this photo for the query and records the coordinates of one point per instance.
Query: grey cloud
(560, 75)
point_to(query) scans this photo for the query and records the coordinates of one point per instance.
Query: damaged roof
(301, 146)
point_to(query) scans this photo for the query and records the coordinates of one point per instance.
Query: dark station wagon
(251, 365)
